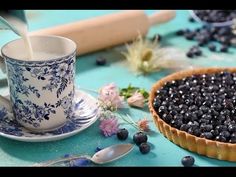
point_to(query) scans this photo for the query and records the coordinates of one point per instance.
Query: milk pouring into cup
(41, 84)
(15, 20)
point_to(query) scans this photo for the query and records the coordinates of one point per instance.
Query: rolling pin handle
(161, 17)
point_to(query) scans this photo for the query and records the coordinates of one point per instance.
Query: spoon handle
(60, 160)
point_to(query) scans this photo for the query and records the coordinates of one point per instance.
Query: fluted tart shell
(203, 146)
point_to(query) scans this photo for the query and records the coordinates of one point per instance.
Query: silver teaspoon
(103, 156)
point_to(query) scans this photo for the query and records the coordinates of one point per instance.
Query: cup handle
(4, 101)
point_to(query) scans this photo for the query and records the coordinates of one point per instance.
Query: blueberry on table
(140, 138)
(188, 161)
(196, 50)
(144, 148)
(190, 54)
(122, 134)
(191, 19)
(201, 43)
(224, 48)
(180, 32)
(101, 61)
(212, 47)
(189, 35)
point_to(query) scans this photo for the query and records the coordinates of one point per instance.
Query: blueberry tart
(196, 109)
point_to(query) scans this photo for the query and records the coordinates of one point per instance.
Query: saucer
(86, 113)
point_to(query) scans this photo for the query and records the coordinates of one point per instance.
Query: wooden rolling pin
(109, 30)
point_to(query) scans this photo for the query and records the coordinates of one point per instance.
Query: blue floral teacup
(42, 89)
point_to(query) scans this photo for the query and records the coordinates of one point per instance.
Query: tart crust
(209, 148)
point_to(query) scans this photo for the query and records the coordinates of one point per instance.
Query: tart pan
(209, 148)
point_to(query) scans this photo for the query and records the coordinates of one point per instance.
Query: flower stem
(130, 121)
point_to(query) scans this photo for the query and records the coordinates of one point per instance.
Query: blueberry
(225, 134)
(184, 127)
(144, 148)
(202, 43)
(122, 134)
(196, 132)
(232, 128)
(167, 117)
(180, 32)
(190, 54)
(215, 132)
(204, 109)
(193, 108)
(139, 138)
(188, 161)
(216, 106)
(221, 118)
(162, 109)
(220, 138)
(224, 40)
(156, 104)
(224, 48)
(212, 47)
(196, 51)
(225, 112)
(207, 135)
(101, 61)
(206, 128)
(178, 117)
(189, 35)
(191, 19)
(232, 140)
(233, 135)
(221, 128)
(173, 112)
(176, 123)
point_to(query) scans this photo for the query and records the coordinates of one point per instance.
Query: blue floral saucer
(86, 111)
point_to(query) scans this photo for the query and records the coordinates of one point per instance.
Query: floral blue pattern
(77, 122)
(17, 80)
(7, 125)
(32, 113)
(54, 76)
(60, 75)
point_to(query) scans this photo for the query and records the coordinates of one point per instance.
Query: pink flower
(136, 100)
(109, 126)
(110, 97)
(143, 125)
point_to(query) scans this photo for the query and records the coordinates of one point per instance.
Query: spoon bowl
(111, 153)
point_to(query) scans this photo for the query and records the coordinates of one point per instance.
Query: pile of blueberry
(202, 105)
(139, 138)
(215, 16)
(207, 36)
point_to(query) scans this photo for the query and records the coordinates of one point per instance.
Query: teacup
(41, 90)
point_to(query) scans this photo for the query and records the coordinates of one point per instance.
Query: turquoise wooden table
(88, 75)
